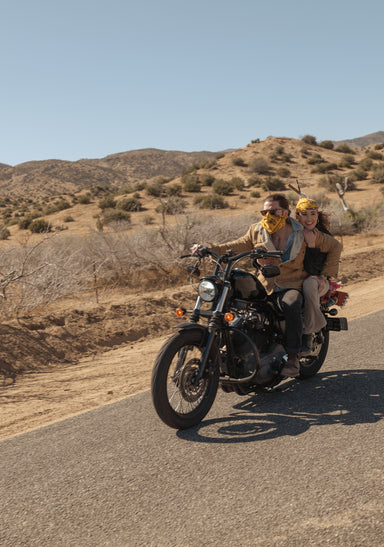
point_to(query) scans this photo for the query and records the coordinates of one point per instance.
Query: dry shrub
(154, 253)
(367, 219)
(260, 166)
(34, 276)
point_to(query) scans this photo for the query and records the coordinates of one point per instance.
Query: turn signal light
(180, 312)
(228, 317)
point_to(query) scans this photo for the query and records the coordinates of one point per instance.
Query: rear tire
(178, 401)
(311, 364)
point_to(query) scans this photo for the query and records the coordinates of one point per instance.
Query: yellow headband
(305, 203)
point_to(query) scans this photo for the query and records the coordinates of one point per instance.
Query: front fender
(204, 334)
(190, 325)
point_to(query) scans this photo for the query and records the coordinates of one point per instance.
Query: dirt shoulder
(79, 358)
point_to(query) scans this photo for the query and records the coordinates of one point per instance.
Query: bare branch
(341, 189)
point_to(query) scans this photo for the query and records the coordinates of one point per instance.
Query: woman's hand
(320, 281)
(265, 261)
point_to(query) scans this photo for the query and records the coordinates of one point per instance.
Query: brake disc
(190, 391)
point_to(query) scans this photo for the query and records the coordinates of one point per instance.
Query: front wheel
(178, 400)
(311, 364)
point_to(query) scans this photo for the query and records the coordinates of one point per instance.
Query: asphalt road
(297, 467)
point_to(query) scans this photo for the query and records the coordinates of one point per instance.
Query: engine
(258, 327)
(261, 330)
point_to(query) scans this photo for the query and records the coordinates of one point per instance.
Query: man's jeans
(290, 302)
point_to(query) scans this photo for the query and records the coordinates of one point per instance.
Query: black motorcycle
(234, 337)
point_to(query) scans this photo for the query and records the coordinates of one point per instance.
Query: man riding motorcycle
(278, 231)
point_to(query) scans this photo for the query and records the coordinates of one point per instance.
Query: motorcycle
(234, 338)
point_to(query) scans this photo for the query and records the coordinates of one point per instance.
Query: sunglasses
(272, 211)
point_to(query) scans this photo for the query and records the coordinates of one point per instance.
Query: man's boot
(291, 369)
(306, 344)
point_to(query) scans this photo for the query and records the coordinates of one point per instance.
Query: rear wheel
(178, 400)
(311, 364)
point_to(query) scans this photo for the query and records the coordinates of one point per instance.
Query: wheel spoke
(311, 364)
(183, 395)
(179, 401)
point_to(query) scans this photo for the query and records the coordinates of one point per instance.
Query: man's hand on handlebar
(199, 250)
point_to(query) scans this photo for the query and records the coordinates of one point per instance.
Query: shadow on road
(346, 397)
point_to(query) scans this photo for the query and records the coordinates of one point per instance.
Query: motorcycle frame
(216, 322)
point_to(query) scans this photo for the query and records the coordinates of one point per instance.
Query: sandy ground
(112, 369)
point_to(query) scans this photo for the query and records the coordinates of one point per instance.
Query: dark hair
(323, 222)
(283, 202)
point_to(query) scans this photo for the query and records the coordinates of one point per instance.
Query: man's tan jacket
(292, 273)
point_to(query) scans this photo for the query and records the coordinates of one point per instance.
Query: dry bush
(260, 166)
(34, 276)
(309, 139)
(135, 258)
(367, 219)
(378, 174)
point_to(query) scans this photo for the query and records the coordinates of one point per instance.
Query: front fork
(214, 325)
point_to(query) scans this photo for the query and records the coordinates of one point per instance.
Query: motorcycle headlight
(207, 290)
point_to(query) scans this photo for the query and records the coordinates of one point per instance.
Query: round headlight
(207, 290)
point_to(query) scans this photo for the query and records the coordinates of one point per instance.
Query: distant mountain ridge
(52, 177)
(366, 140)
(57, 177)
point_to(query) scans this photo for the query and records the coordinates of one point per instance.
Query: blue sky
(88, 78)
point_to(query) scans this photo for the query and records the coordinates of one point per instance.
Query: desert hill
(150, 183)
(149, 163)
(366, 140)
(55, 177)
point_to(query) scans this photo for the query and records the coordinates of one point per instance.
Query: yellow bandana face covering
(272, 223)
(305, 203)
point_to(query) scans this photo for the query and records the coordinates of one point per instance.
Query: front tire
(311, 364)
(178, 401)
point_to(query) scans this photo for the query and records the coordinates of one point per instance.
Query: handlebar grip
(261, 253)
(200, 253)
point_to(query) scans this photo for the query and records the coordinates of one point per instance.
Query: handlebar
(228, 256)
